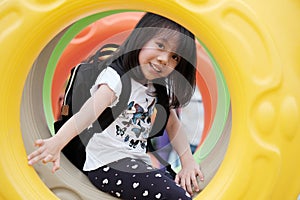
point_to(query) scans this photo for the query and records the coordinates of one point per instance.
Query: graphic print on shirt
(135, 124)
(120, 131)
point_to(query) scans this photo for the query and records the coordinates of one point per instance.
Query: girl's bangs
(185, 42)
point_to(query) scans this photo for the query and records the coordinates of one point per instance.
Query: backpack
(82, 78)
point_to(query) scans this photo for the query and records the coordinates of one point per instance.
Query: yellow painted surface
(257, 45)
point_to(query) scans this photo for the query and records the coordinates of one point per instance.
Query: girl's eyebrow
(166, 41)
(163, 39)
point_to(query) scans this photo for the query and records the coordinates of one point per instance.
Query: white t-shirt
(127, 135)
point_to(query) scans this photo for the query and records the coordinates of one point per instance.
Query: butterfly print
(120, 131)
(134, 143)
(130, 106)
(143, 144)
(139, 113)
(127, 123)
(138, 131)
(126, 138)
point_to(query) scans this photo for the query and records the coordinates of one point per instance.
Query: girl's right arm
(49, 149)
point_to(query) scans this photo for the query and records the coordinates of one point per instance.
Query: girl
(157, 51)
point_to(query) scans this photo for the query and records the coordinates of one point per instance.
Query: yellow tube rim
(258, 53)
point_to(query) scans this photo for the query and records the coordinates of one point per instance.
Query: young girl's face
(157, 58)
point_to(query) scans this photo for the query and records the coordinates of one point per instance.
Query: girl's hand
(187, 177)
(47, 151)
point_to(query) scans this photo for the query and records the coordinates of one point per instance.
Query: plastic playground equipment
(255, 56)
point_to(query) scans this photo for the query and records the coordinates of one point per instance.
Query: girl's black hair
(181, 82)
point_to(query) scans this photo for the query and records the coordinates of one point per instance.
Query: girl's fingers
(188, 186)
(48, 158)
(177, 179)
(56, 165)
(34, 158)
(39, 142)
(195, 183)
(189, 182)
(182, 183)
(200, 174)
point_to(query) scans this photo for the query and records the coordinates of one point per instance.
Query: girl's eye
(160, 45)
(176, 58)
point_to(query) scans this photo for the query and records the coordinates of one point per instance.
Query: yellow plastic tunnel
(256, 45)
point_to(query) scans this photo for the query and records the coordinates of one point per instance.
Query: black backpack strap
(162, 116)
(163, 111)
(110, 114)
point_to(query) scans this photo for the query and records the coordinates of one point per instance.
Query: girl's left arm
(187, 177)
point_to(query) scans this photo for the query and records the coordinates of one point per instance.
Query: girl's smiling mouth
(155, 68)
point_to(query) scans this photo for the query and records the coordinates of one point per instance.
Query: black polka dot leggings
(131, 179)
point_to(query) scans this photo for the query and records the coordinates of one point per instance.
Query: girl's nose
(163, 58)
